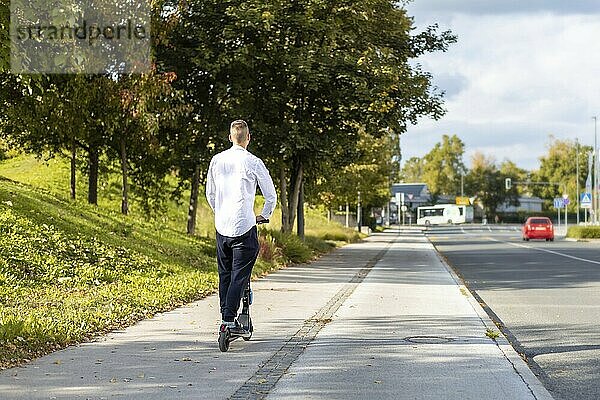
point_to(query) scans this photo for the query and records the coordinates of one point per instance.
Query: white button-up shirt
(231, 188)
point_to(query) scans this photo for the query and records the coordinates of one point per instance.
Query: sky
(522, 70)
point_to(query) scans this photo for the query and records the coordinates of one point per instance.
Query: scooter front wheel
(224, 339)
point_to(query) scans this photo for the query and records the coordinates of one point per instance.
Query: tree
(510, 170)
(4, 36)
(320, 71)
(103, 115)
(307, 75)
(443, 167)
(559, 167)
(412, 171)
(487, 183)
(370, 174)
(200, 51)
(148, 105)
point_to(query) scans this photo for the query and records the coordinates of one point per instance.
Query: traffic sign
(463, 201)
(410, 196)
(559, 202)
(586, 200)
(566, 202)
(404, 208)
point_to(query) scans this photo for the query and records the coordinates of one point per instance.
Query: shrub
(294, 249)
(318, 245)
(269, 252)
(584, 232)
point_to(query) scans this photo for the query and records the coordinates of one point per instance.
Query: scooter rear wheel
(250, 329)
(224, 340)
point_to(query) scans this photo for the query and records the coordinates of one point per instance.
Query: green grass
(70, 271)
(584, 232)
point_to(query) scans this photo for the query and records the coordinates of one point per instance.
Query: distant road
(547, 294)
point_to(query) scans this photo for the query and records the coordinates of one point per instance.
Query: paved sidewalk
(379, 319)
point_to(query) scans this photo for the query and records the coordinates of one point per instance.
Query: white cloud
(513, 79)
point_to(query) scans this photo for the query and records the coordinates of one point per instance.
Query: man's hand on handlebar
(261, 220)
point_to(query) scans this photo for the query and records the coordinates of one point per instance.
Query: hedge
(584, 232)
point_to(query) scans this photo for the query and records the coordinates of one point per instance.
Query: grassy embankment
(69, 271)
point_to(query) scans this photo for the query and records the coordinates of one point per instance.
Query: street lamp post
(595, 186)
(577, 179)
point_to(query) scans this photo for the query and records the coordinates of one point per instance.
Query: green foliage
(296, 251)
(559, 167)
(584, 232)
(412, 171)
(510, 170)
(68, 271)
(487, 182)
(492, 334)
(308, 75)
(441, 168)
(4, 36)
(370, 173)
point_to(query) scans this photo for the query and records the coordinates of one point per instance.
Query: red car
(538, 228)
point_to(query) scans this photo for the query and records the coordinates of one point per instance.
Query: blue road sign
(559, 202)
(586, 200)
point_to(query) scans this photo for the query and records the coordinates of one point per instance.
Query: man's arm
(267, 188)
(210, 187)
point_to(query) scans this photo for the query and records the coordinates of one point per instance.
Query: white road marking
(547, 251)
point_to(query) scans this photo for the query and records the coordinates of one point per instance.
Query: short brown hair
(239, 131)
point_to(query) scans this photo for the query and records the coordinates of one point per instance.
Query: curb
(536, 387)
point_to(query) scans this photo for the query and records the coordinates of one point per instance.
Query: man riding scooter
(230, 189)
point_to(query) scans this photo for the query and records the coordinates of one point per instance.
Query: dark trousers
(235, 257)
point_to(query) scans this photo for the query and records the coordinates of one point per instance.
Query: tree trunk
(300, 225)
(125, 172)
(73, 170)
(93, 175)
(192, 211)
(295, 184)
(283, 200)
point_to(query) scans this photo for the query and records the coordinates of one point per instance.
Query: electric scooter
(244, 331)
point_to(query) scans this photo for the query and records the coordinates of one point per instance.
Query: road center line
(547, 251)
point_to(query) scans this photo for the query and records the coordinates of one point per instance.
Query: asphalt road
(546, 294)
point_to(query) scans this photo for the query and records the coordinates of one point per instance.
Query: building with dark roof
(415, 194)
